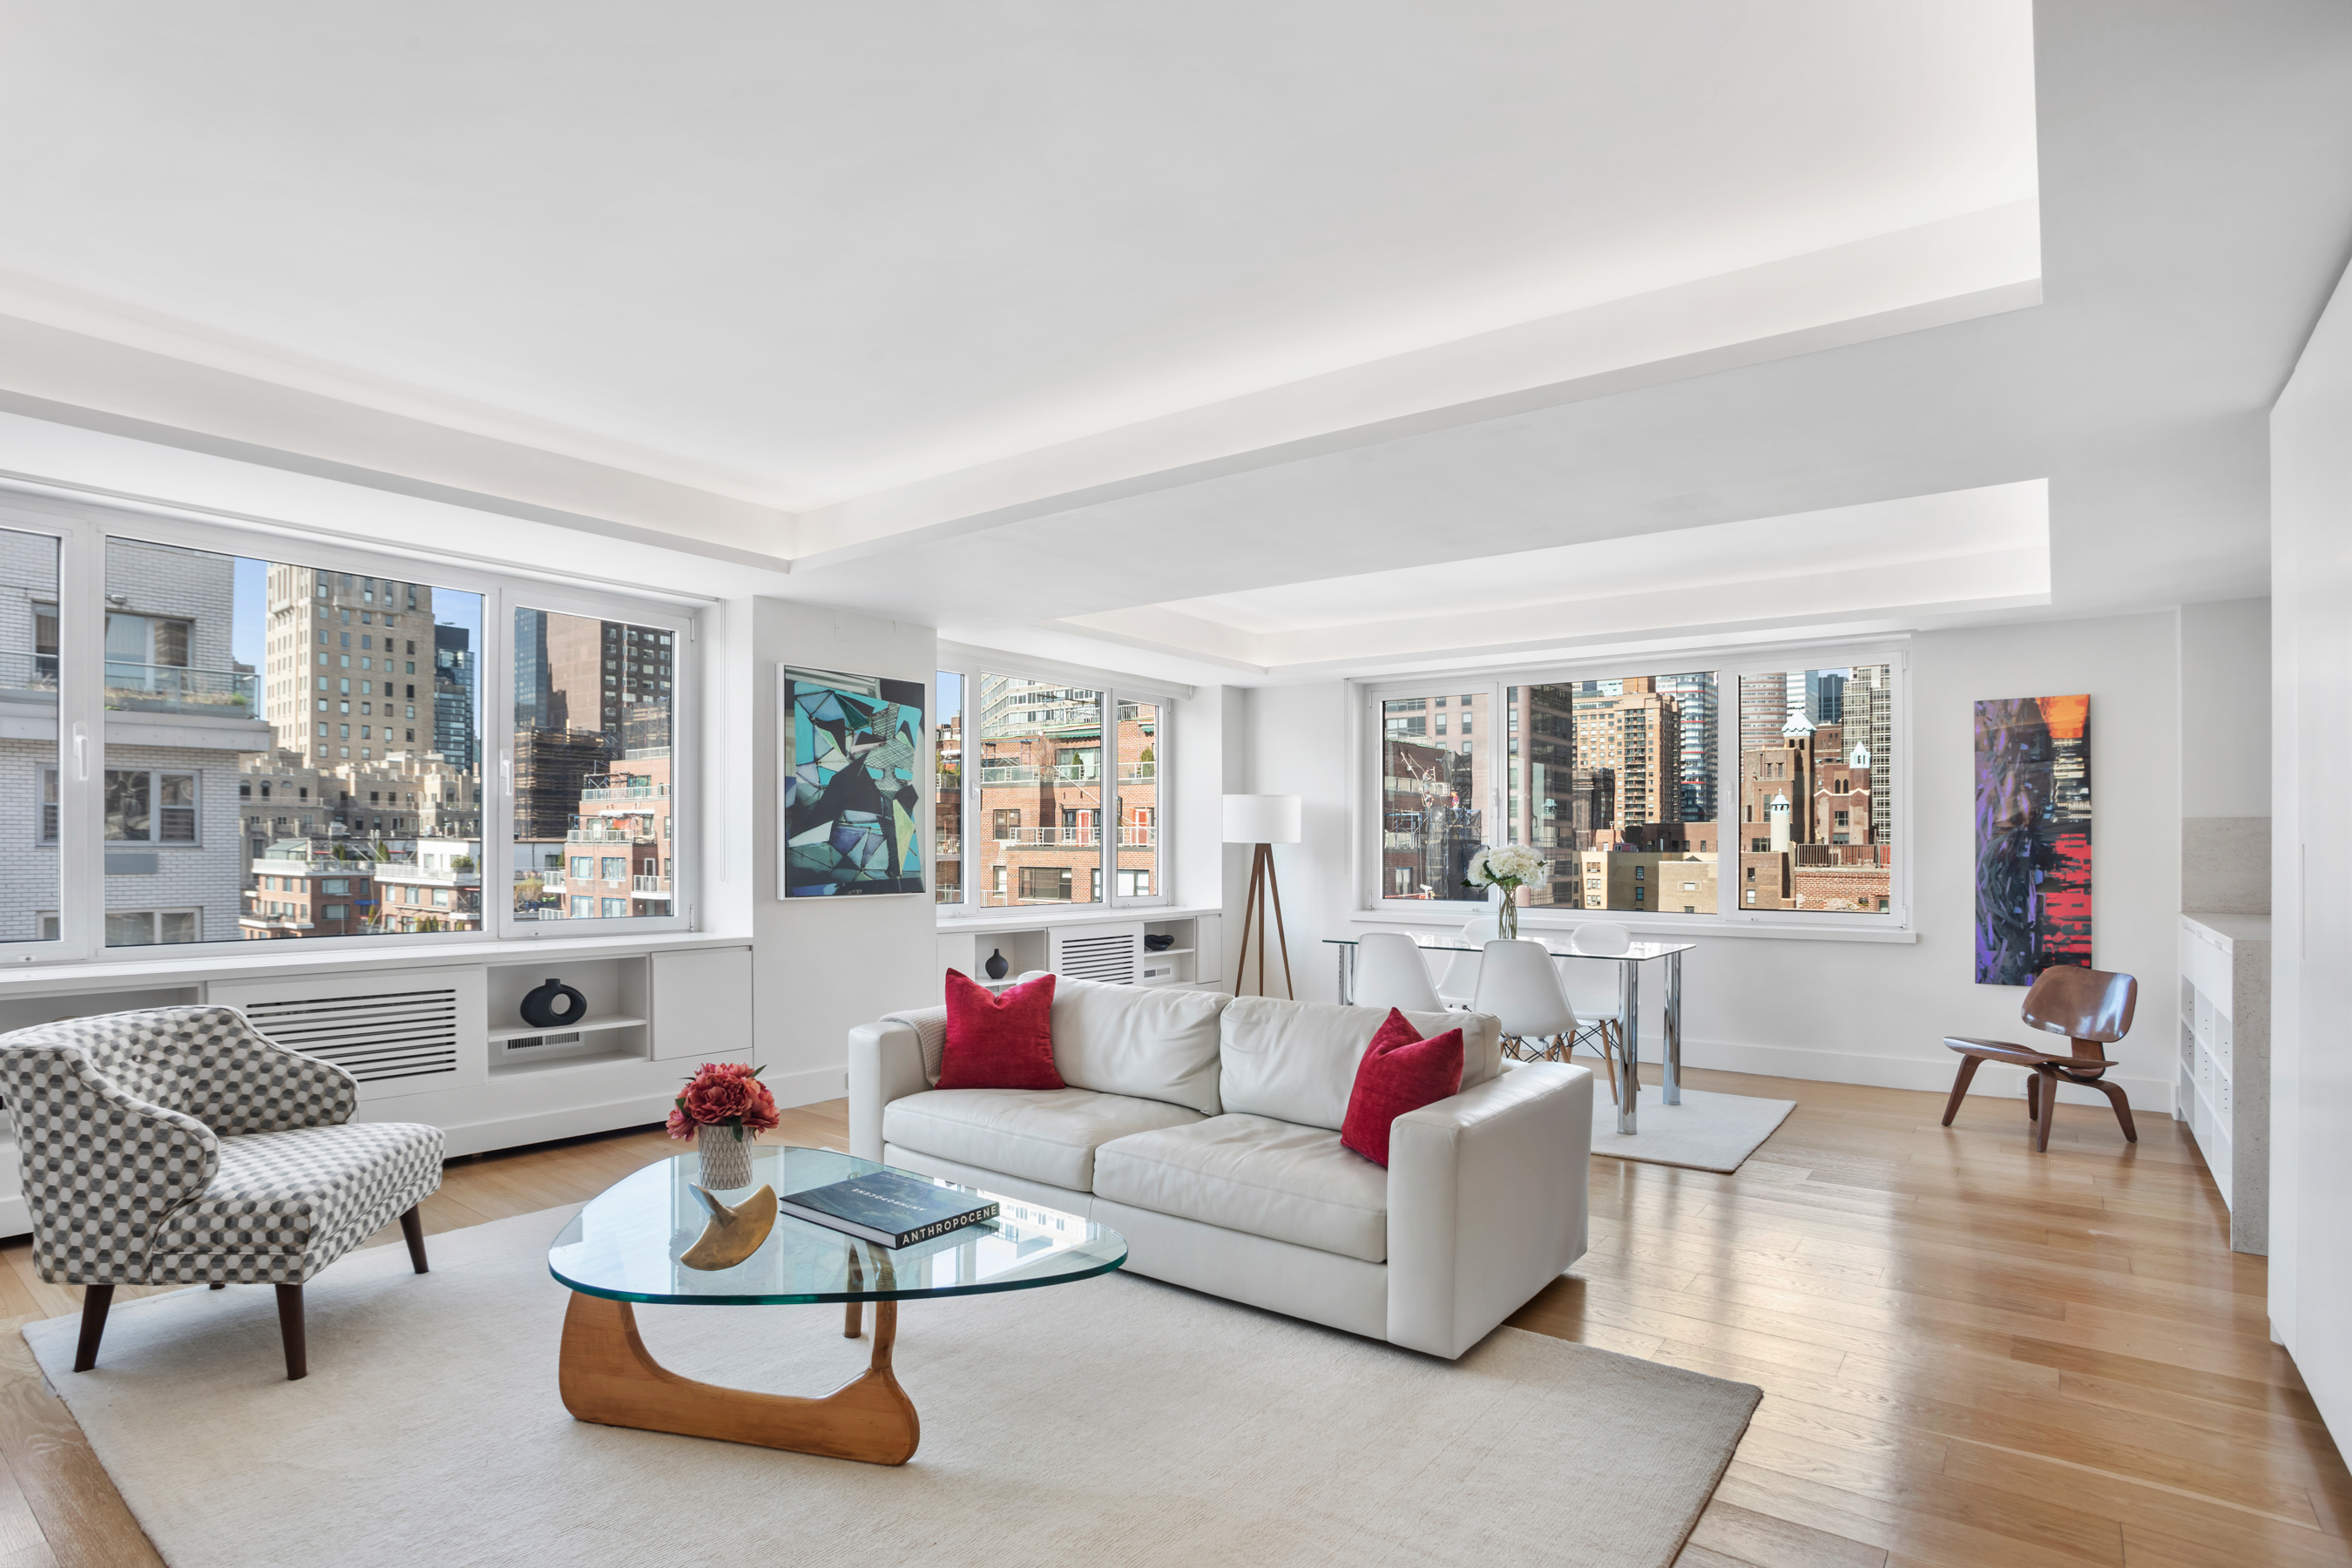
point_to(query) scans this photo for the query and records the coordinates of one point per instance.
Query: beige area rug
(1704, 1132)
(1111, 1421)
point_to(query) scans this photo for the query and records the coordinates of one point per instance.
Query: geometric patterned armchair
(180, 1145)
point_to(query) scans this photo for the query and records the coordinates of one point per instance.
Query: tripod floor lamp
(1265, 821)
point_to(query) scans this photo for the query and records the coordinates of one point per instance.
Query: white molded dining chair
(1389, 974)
(1596, 992)
(1458, 986)
(1518, 984)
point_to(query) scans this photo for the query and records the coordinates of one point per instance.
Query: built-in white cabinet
(445, 1043)
(2224, 1089)
(1187, 950)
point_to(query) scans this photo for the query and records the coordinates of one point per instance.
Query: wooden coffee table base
(607, 1376)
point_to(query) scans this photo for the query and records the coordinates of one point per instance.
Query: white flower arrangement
(1507, 867)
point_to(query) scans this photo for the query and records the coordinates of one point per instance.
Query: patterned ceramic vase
(726, 1158)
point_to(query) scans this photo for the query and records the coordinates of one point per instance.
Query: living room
(1549, 784)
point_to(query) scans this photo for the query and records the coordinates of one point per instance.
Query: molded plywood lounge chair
(2093, 1009)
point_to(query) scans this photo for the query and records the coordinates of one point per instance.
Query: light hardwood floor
(1972, 1356)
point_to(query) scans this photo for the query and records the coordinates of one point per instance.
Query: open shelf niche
(613, 1029)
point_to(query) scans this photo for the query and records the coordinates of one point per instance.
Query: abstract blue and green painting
(853, 797)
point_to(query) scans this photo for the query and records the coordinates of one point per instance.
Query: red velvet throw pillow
(1000, 1041)
(1401, 1071)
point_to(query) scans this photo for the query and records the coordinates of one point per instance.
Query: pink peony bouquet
(724, 1094)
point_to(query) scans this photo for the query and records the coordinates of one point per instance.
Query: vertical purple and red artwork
(2033, 837)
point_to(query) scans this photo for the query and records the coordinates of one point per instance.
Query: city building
(1694, 697)
(340, 678)
(1435, 755)
(1045, 787)
(1634, 732)
(947, 810)
(551, 767)
(436, 887)
(575, 673)
(298, 891)
(1646, 882)
(180, 714)
(454, 699)
(617, 860)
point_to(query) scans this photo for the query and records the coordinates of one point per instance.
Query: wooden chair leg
(94, 1301)
(2032, 1095)
(1969, 1066)
(289, 1329)
(2115, 1097)
(411, 1226)
(2049, 1117)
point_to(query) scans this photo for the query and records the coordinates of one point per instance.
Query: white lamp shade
(1262, 819)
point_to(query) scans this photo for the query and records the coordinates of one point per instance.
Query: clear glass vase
(1507, 916)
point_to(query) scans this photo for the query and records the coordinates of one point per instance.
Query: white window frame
(82, 530)
(1727, 665)
(971, 664)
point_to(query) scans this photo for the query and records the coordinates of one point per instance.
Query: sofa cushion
(1295, 1061)
(1151, 1042)
(1041, 1135)
(1257, 1175)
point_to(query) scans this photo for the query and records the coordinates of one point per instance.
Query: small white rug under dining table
(1704, 1132)
(1115, 1421)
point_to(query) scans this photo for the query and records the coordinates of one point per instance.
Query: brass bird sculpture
(733, 1234)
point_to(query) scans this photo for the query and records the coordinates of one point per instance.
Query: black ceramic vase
(997, 964)
(554, 1005)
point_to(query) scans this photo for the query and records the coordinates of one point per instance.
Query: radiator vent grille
(377, 1036)
(1109, 959)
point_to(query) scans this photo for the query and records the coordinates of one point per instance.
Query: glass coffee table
(625, 1246)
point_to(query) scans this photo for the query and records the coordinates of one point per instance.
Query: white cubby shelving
(2224, 1089)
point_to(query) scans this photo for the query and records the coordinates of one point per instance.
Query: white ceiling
(1940, 554)
(1058, 327)
(804, 253)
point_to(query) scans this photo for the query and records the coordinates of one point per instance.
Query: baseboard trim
(540, 1127)
(811, 1088)
(2150, 1096)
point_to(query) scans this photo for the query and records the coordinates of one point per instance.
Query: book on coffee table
(889, 1208)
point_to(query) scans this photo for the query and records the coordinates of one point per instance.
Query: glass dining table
(1668, 955)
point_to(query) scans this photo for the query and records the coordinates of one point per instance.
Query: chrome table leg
(1629, 1043)
(1673, 1095)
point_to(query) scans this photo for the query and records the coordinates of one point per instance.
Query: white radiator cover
(398, 1031)
(1110, 954)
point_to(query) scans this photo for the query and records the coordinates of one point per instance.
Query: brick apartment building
(1809, 838)
(1047, 791)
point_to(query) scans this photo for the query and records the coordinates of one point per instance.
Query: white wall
(2311, 894)
(2225, 682)
(2225, 756)
(821, 966)
(1864, 1012)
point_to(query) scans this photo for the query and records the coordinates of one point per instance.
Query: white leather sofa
(1205, 1129)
